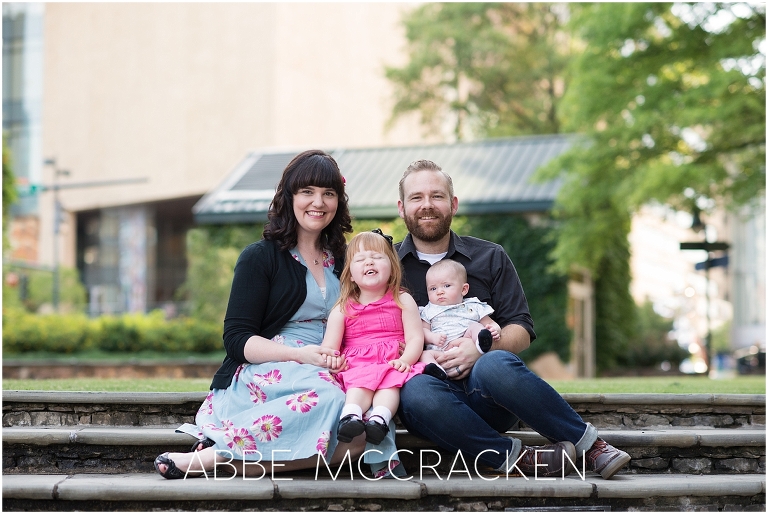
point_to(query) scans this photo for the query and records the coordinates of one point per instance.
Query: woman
(274, 399)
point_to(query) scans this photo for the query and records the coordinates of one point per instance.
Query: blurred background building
(175, 95)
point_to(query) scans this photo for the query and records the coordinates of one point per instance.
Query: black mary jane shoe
(375, 432)
(202, 444)
(171, 471)
(350, 426)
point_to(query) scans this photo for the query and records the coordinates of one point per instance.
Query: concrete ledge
(33, 487)
(346, 488)
(178, 398)
(60, 397)
(681, 485)
(141, 436)
(152, 487)
(570, 487)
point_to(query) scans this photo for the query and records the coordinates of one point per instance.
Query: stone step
(148, 492)
(621, 411)
(89, 449)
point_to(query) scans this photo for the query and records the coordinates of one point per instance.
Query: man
(485, 394)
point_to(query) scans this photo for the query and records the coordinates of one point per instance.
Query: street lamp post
(57, 211)
(710, 262)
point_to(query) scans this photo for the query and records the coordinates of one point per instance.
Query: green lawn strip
(677, 384)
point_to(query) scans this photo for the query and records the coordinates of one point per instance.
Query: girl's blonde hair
(375, 243)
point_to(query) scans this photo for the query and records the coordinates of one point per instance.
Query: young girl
(368, 323)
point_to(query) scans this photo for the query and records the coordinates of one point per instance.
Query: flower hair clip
(382, 234)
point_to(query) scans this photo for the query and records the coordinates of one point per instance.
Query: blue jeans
(468, 414)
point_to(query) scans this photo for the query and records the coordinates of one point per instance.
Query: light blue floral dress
(282, 410)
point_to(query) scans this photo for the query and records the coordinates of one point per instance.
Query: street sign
(704, 245)
(713, 263)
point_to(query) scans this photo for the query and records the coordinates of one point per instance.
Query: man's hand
(459, 358)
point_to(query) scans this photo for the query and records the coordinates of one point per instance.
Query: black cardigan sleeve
(247, 300)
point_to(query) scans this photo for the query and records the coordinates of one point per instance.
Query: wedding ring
(458, 370)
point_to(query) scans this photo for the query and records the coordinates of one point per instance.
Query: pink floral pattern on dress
(238, 370)
(322, 443)
(268, 427)
(207, 406)
(257, 395)
(279, 339)
(329, 377)
(273, 377)
(239, 440)
(302, 401)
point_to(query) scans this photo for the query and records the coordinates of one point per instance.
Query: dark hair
(311, 168)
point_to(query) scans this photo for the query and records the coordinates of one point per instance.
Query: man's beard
(429, 234)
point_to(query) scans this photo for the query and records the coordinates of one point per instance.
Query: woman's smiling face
(314, 208)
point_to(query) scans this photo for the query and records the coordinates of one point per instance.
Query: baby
(449, 316)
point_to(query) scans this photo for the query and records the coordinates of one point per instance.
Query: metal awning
(488, 176)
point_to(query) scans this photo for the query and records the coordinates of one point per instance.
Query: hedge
(71, 333)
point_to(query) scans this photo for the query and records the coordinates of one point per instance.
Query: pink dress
(372, 336)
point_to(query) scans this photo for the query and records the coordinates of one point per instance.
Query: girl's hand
(400, 365)
(316, 355)
(493, 329)
(335, 364)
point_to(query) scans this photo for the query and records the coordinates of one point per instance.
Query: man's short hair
(456, 267)
(425, 165)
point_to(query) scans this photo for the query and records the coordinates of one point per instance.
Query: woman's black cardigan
(268, 288)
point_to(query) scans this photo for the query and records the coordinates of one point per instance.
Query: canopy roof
(489, 176)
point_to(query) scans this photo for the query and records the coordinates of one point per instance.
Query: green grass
(156, 385)
(678, 385)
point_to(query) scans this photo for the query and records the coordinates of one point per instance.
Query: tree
(484, 69)
(671, 99)
(9, 191)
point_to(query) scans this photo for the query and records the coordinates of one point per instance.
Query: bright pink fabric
(372, 336)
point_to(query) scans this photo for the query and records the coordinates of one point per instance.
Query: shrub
(56, 333)
(67, 334)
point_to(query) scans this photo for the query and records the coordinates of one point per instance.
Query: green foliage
(672, 106)
(71, 290)
(615, 310)
(58, 333)
(546, 291)
(721, 338)
(9, 191)
(491, 69)
(74, 333)
(212, 252)
(652, 344)
(39, 289)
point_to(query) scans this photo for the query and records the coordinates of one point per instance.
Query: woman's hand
(316, 355)
(400, 365)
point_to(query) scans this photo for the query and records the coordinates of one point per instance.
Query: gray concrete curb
(177, 398)
(152, 487)
(140, 436)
